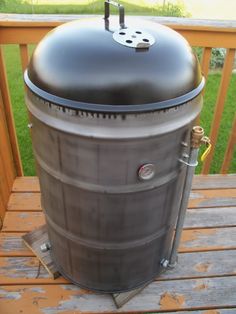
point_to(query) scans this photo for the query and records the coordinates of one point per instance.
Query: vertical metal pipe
(197, 135)
(192, 163)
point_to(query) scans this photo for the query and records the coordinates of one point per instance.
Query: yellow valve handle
(206, 152)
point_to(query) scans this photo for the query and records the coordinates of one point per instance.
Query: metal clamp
(185, 162)
(121, 11)
(193, 164)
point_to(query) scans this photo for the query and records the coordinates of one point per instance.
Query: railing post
(7, 168)
(230, 149)
(9, 115)
(222, 93)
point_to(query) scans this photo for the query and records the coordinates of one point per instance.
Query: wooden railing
(26, 29)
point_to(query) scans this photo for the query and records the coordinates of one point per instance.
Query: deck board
(213, 181)
(204, 281)
(210, 217)
(26, 184)
(198, 199)
(25, 201)
(197, 240)
(24, 270)
(11, 244)
(24, 221)
(159, 296)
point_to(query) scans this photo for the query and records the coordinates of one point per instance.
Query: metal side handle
(121, 11)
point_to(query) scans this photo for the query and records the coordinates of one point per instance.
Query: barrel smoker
(112, 105)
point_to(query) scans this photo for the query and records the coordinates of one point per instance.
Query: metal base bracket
(37, 241)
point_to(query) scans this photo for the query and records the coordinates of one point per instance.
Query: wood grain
(9, 115)
(210, 217)
(7, 168)
(30, 201)
(208, 239)
(205, 62)
(230, 149)
(214, 182)
(27, 184)
(197, 240)
(25, 201)
(202, 264)
(24, 270)
(156, 297)
(8, 19)
(4, 190)
(203, 182)
(22, 221)
(25, 221)
(212, 198)
(27, 29)
(5, 149)
(24, 56)
(11, 244)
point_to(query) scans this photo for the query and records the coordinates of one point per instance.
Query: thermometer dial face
(146, 172)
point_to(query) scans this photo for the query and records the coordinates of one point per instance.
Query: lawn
(141, 7)
(204, 9)
(21, 120)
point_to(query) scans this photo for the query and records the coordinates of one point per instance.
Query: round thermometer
(146, 172)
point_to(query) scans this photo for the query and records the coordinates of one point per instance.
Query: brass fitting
(197, 136)
(205, 140)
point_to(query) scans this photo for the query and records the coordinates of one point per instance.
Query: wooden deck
(204, 282)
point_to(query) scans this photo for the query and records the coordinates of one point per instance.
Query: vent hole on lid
(138, 32)
(146, 40)
(129, 41)
(122, 33)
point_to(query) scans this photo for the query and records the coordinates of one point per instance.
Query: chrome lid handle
(121, 11)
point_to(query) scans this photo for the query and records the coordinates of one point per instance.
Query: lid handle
(121, 11)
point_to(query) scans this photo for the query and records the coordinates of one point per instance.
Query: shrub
(217, 56)
(90, 7)
(171, 9)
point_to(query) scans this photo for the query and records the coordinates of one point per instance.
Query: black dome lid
(80, 65)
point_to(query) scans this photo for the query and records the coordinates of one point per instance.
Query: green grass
(210, 96)
(15, 81)
(141, 7)
(21, 119)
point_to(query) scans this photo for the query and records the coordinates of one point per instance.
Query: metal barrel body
(108, 229)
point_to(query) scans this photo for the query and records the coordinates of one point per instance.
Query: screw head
(45, 247)
(164, 263)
